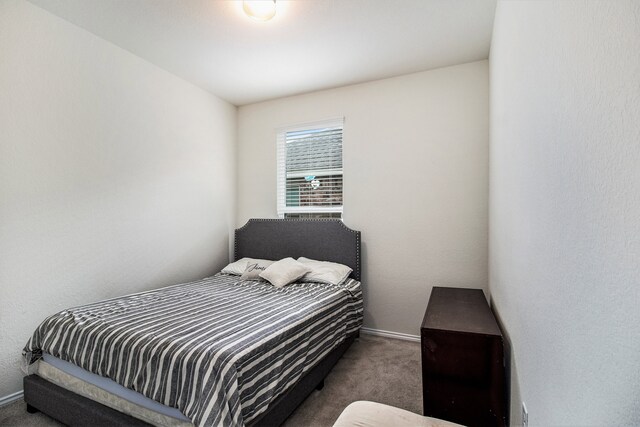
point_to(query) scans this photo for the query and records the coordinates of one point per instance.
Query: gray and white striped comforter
(218, 349)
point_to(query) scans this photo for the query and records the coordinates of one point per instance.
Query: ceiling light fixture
(262, 10)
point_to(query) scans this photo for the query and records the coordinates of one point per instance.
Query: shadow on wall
(512, 389)
(364, 279)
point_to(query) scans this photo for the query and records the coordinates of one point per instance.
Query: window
(310, 170)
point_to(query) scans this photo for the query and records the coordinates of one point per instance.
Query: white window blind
(310, 170)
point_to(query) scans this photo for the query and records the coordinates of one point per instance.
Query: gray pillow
(236, 268)
(254, 268)
(284, 272)
(325, 272)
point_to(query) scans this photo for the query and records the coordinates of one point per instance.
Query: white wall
(115, 176)
(565, 206)
(416, 180)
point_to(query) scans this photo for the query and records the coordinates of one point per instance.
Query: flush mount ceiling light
(262, 10)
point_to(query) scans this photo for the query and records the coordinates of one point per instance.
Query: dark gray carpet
(374, 368)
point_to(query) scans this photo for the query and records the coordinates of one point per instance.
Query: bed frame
(324, 239)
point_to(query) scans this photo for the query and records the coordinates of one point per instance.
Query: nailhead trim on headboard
(357, 268)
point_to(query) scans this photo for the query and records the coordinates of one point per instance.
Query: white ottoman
(370, 414)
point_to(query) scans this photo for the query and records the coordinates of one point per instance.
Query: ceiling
(309, 45)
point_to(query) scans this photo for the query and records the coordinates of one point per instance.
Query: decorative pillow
(236, 268)
(285, 271)
(325, 272)
(254, 268)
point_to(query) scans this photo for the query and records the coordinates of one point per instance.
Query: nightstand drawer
(460, 357)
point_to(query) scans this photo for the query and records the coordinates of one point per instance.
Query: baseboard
(11, 398)
(389, 334)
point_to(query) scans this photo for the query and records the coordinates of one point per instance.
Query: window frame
(281, 181)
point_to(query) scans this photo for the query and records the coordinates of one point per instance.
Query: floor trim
(10, 398)
(389, 334)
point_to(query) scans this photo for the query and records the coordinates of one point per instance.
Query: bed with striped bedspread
(218, 349)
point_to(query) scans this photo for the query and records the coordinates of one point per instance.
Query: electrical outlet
(525, 416)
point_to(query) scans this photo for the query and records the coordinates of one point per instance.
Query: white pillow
(236, 268)
(325, 272)
(285, 271)
(254, 268)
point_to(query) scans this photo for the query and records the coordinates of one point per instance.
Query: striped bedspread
(218, 349)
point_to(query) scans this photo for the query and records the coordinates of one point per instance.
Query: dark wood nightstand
(463, 374)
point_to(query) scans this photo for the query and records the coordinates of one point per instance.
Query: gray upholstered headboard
(321, 239)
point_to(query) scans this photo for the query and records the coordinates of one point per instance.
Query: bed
(255, 372)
